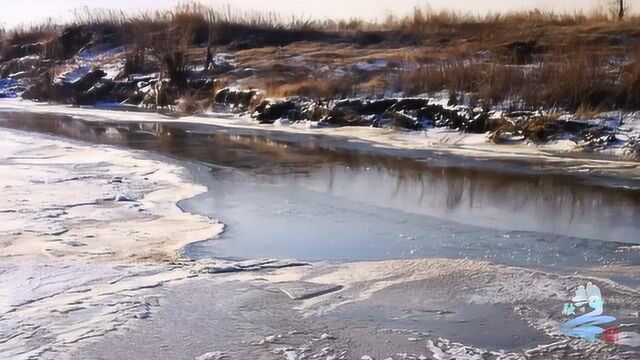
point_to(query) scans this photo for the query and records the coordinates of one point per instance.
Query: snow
(112, 70)
(223, 60)
(371, 65)
(73, 260)
(73, 74)
(100, 57)
(101, 52)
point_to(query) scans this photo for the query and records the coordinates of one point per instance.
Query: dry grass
(191, 105)
(539, 129)
(313, 87)
(223, 25)
(31, 34)
(488, 81)
(582, 82)
(198, 23)
(537, 58)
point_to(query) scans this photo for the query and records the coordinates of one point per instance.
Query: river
(325, 198)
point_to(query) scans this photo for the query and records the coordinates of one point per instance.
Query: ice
(63, 247)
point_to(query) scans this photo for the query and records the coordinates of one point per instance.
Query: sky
(13, 13)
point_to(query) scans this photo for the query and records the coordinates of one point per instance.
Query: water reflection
(453, 189)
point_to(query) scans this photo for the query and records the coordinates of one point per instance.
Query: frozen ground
(89, 269)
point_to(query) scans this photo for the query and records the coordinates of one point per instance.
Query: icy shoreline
(86, 231)
(90, 235)
(441, 140)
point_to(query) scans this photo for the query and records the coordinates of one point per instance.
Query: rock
(377, 107)
(100, 91)
(410, 104)
(199, 84)
(238, 98)
(347, 119)
(355, 112)
(348, 105)
(45, 91)
(598, 137)
(33, 92)
(314, 111)
(403, 121)
(443, 117)
(32, 64)
(124, 198)
(122, 91)
(517, 114)
(477, 125)
(221, 96)
(244, 98)
(543, 128)
(573, 126)
(268, 112)
(347, 113)
(88, 81)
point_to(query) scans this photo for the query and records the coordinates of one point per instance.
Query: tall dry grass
(199, 22)
(223, 24)
(570, 71)
(313, 87)
(28, 34)
(582, 82)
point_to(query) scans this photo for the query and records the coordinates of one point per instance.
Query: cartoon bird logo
(586, 326)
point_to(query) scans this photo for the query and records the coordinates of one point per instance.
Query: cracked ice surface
(85, 230)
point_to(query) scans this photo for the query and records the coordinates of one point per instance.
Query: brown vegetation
(533, 59)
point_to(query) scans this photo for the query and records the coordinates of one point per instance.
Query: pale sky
(14, 12)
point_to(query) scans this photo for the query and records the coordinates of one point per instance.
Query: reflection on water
(287, 185)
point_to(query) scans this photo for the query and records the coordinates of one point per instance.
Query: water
(321, 198)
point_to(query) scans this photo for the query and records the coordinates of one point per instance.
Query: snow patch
(371, 65)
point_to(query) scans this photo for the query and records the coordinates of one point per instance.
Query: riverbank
(91, 269)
